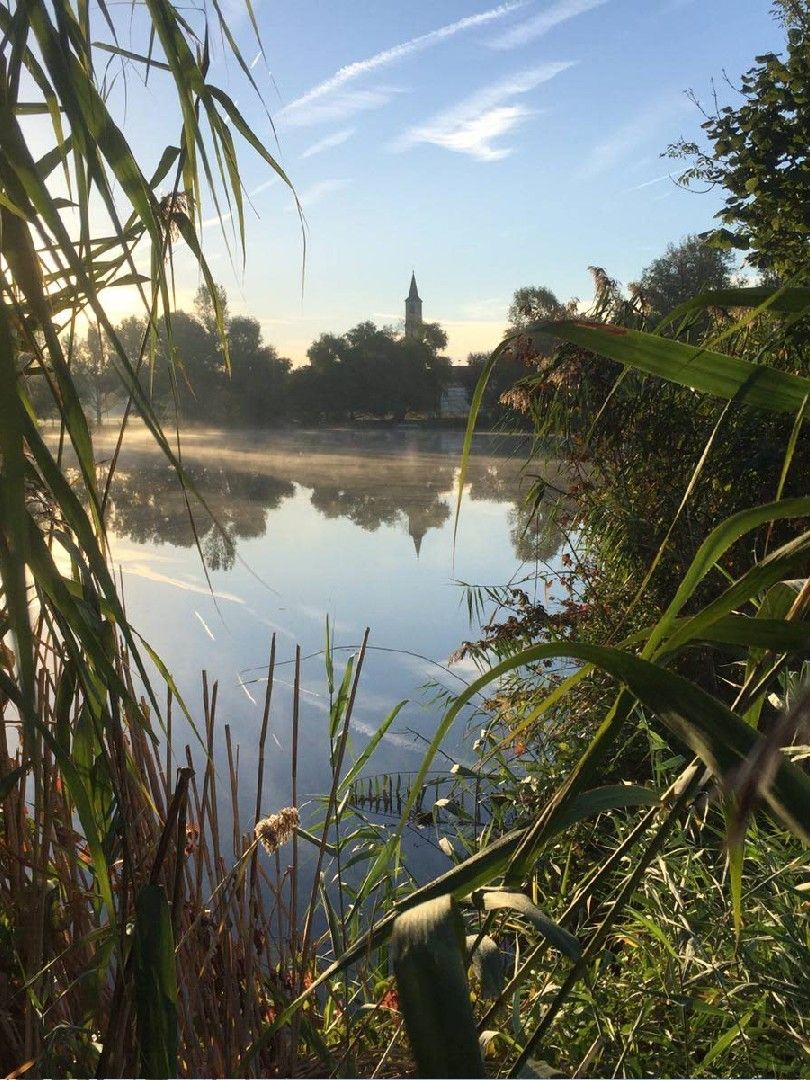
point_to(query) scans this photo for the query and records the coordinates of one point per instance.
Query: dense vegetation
(628, 894)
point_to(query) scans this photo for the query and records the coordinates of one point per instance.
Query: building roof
(413, 293)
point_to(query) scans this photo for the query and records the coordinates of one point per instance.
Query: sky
(485, 146)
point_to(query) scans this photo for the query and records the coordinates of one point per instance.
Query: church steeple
(413, 310)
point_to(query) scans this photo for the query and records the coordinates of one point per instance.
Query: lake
(353, 525)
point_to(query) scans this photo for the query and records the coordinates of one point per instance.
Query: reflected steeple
(416, 533)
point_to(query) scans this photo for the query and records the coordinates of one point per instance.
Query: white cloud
(335, 139)
(474, 136)
(303, 106)
(624, 139)
(540, 24)
(649, 183)
(472, 125)
(336, 107)
(318, 191)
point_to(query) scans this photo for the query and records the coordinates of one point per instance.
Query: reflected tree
(148, 506)
(535, 531)
(408, 491)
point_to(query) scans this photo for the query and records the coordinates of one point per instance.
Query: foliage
(758, 155)
(368, 371)
(626, 498)
(533, 303)
(83, 825)
(612, 885)
(659, 918)
(191, 377)
(685, 270)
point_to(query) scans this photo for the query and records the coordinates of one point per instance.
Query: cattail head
(273, 831)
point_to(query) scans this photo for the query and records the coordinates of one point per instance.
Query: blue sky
(488, 146)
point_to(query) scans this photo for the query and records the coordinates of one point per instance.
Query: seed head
(278, 829)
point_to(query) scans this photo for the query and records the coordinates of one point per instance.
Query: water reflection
(354, 526)
(148, 506)
(406, 483)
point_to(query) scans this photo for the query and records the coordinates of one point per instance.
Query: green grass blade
(716, 544)
(155, 983)
(371, 746)
(709, 372)
(788, 300)
(428, 955)
(563, 940)
(469, 431)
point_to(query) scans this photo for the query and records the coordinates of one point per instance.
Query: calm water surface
(357, 526)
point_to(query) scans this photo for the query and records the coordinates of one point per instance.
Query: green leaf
(721, 738)
(589, 804)
(780, 564)
(734, 1032)
(788, 300)
(481, 869)
(428, 956)
(475, 406)
(371, 746)
(487, 962)
(332, 920)
(155, 983)
(716, 544)
(715, 373)
(566, 943)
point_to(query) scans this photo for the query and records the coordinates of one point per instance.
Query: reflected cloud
(145, 571)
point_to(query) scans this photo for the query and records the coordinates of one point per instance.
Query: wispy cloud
(335, 139)
(538, 25)
(318, 191)
(337, 107)
(303, 105)
(623, 140)
(272, 181)
(649, 183)
(472, 125)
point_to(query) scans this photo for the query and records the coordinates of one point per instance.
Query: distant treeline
(367, 373)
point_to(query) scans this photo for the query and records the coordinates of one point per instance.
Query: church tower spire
(413, 310)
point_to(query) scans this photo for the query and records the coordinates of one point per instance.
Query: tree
(759, 154)
(257, 387)
(370, 370)
(534, 303)
(432, 335)
(685, 269)
(504, 376)
(206, 303)
(97, 381)
(197, 357)
(531, 303)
